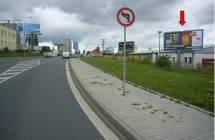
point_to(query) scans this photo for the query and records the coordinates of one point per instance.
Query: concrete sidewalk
(149, 115)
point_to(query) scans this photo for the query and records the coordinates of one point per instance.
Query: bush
(19, 51)
(146, 61)
(163, 62)
(45, 49)
(132, 60)
(5, 49)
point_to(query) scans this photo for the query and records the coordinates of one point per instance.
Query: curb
(123, 131)
(157, 93)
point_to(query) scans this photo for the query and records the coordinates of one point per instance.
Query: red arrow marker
(182, 18)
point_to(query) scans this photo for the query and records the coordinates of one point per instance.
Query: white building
(185, 58)
(49, 44)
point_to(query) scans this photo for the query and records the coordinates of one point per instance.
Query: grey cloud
(206, 14)
(102, 13)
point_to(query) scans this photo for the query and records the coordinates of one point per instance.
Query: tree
(5, 49)
(163, 61)
(97, 49)
(45, 49)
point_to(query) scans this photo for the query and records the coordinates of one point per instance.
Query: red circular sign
(125, 17)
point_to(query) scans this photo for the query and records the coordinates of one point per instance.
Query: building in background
(14, 26)
(68, 45)
(202, 58)
(48, 44)
(61, 48)
(8, 38)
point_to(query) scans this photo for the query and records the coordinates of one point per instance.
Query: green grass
(15, 54)
(193, 87)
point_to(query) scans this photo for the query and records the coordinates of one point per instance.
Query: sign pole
(125, 17)
(124, 70)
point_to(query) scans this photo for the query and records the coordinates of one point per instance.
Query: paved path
(37, 104)
(152, 117)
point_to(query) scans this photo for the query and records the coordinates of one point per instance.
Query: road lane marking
(18, 69)
(4, 65)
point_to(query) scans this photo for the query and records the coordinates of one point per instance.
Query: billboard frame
(192, 48)
(127, 50)
(28, 28)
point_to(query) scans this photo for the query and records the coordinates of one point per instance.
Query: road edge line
(90, 113)
(112, 121)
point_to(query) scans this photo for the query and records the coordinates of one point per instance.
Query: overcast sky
(91, 20)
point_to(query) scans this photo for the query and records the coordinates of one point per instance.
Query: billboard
(190, 39)
(109, 50)
(75, 45)
(28, 28)
(129, 47)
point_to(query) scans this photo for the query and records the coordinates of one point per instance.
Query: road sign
(125, 16)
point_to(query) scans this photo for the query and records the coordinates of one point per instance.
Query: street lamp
(159, 32)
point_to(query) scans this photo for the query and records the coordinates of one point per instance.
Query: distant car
(48, 55)
(66, 55)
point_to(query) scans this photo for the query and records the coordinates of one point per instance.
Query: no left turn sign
(125, 17)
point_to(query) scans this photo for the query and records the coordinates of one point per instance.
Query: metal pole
(124, 72)
(24, 34)
(159, 32)
(159, 45)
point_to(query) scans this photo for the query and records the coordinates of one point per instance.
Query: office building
(8, 38)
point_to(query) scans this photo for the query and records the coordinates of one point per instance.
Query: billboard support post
(124, 72)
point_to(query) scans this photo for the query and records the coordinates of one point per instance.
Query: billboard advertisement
(75, 45)
(129, 47)
(109, 50)
(28, 28)
(190, 39)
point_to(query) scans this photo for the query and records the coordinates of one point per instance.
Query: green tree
(45, 49)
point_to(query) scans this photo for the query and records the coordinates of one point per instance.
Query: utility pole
(103, 44)
(159, 32)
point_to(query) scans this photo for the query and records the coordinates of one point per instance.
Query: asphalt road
(6, 63)
(38, 105)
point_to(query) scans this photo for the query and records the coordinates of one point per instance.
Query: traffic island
(146, 115)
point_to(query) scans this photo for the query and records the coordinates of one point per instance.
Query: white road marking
(4, 65)
(98, 123)
(18, 68)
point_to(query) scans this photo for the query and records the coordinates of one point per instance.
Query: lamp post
(159, 32)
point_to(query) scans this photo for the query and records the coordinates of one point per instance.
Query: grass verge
(15, 54)
(193, 87)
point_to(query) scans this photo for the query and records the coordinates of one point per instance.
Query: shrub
(19, 51)
(5, 49)
(146, 61)
(45, 49)
(163, 61)
(132, 60)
